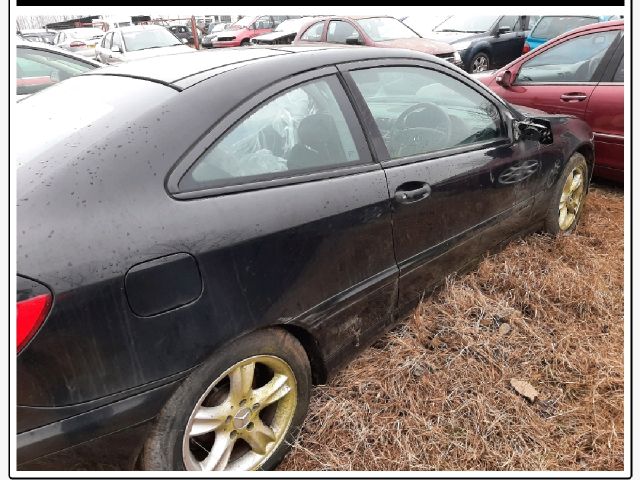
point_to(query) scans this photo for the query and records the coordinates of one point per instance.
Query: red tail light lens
(77, 44)
(526, 48)
(31, 313)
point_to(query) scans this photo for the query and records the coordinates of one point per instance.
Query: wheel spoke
(241, 380)
(220, 453)
(563, 217)
(259, 437)
(207, 419)
(273, 391)
(576, 182)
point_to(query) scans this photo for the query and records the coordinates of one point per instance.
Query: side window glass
(339, 31)
(419, 111)
(264, 22)
(303, 129)
(510, 21)
(117, 41)
(313, 33)
(37, 69)
(618, 77)
(575, 60)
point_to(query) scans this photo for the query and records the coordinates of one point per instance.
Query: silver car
(81, 41)
(136, 42)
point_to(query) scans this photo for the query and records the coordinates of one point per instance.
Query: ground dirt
(436, 393)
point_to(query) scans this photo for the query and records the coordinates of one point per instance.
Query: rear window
(550, 27)
(79, 106)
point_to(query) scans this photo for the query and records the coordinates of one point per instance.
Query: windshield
(86, 33)
(550, 27)
(475, 24)
(385, 28)
(244, 22)
(144, 39)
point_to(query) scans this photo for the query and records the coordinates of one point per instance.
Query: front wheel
(568, 197)
(479, 63)
(240, 410)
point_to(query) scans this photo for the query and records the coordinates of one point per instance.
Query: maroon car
(386, 32)
(581, 73)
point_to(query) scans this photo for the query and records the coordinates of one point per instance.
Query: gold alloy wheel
(243, 416)
(571, 198)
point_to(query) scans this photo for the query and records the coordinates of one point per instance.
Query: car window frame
(372, 131)
(614, 63)
(234, 117)
(322, 33)
(356, 28)
(597, 74)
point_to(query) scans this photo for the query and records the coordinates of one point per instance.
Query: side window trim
(242, 111)
(380, 150)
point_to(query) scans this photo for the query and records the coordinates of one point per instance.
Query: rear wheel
(245, 43)
(568, 198)
(240, 410)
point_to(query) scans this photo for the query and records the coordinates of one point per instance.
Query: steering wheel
(411, 133)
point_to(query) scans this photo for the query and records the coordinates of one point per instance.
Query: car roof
(183, 70)
(137, 28)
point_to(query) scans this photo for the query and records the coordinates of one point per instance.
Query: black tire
(483, 63)
(552, 222)
(163, 449)
(245, 43)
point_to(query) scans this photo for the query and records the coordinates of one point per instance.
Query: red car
(240, 33)
(383, 31)
(581, 73)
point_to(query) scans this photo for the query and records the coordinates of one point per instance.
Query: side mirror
(505, 79)
(502, 30)
(353, 41)
(534, 129)
(116, 49)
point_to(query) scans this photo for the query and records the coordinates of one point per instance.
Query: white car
(136, 42)
(81, 41)
(283, 33)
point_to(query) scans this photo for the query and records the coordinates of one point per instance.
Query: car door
(605, 115)
(458, 183)
(262, 25)
(507, 46)
(299, 212)
(560, 77)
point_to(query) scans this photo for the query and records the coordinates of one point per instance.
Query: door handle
(573, 97)
(412, 192)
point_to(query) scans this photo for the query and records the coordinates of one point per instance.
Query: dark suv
(485, 42)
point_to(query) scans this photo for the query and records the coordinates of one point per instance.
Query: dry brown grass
(434, 394)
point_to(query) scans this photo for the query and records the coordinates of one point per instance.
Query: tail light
(526, 47)
(77, 44)
(33, 305)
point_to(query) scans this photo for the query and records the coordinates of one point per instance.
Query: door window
(575, 60)
(264, 22)
(511, 21)
(303, 129)
(419, 111)
(313, 33)
(339, 31)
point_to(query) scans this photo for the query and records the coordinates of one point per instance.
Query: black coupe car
(216, 232)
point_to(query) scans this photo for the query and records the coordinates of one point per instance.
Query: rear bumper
(109, 436)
